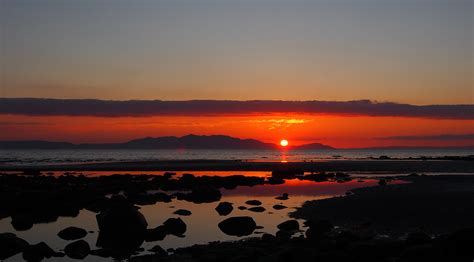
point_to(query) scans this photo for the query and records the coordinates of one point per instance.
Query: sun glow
(284, 142)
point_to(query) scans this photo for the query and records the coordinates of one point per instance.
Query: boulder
(182, 212)
(238, 226)
(175, 226)
(38, 252)
(203, 195)
(121, 227)
(253, 203)
(72, 233)
(284, 196)
(279, 207)
(156, 234)
(159, 251)
(257, 209)
(224, 208)
(11, 245)
(77, 250)
(289, 225)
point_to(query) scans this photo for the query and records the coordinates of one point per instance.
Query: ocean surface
(46, 157)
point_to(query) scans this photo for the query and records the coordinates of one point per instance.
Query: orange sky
(337, 131)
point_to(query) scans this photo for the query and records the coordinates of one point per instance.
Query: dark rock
(38, 252)
(283, 234)
(21, 222)
(284, 196)
(105, 253)
(289, 225)
(417, 238)
(77, 250)
(242, 208)
(121, 227)
(72, 233)
(156, 234)
(175, 226)
(287, 174)
(238, 226)
(268, 237)
(159, 251)
(253, 203)
(182, 212)
(279, 207)
(203, 195)
(224, 208)
(257, 209)
(318, 229)
(11, 245)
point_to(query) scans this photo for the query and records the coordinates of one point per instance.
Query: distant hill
(168, 142)
(313, 146)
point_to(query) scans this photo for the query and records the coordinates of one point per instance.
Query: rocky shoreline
(431, 217)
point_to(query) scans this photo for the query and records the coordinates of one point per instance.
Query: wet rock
(283, 234)
(175, 226)
(284, 196)
(121, 227)
(203, 195)
(72, 233)
(242, 208)
(257, 209)
(224, 208)
(162, 197)
(279, 207)
(253, 202)
(182, 212)
(268, 237)
(100, 253)
(287, 174)
(159, 251)
(38, 252)
(11, 245)
(318, 229)
(238, 226)
(289, 225)
(21, 222)
(77, 250)
(156, 234)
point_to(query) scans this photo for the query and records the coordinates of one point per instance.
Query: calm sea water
(27, 157)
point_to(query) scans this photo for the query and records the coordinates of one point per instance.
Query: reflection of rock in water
(122, 230)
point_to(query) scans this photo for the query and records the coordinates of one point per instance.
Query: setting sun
(284, 142)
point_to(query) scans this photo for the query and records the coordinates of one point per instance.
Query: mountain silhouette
(166, 142)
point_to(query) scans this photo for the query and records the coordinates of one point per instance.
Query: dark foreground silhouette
(430, 219)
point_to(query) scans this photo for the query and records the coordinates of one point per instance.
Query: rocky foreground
(430, 219)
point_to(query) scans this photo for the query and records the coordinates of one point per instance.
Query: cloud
(444, 137)
(109, 108)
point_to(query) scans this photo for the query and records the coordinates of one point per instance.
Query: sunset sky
(413, 53)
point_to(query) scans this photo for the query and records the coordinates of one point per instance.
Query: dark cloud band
(444, 137)
(107, 108)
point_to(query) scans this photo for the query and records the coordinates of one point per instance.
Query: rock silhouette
(11, 245)
(77, 250)
(72, 233)
(224, 208)
(238, 226)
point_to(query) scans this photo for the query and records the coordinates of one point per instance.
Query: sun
(284, 142)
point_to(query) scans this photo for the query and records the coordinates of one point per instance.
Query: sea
(48, 157)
